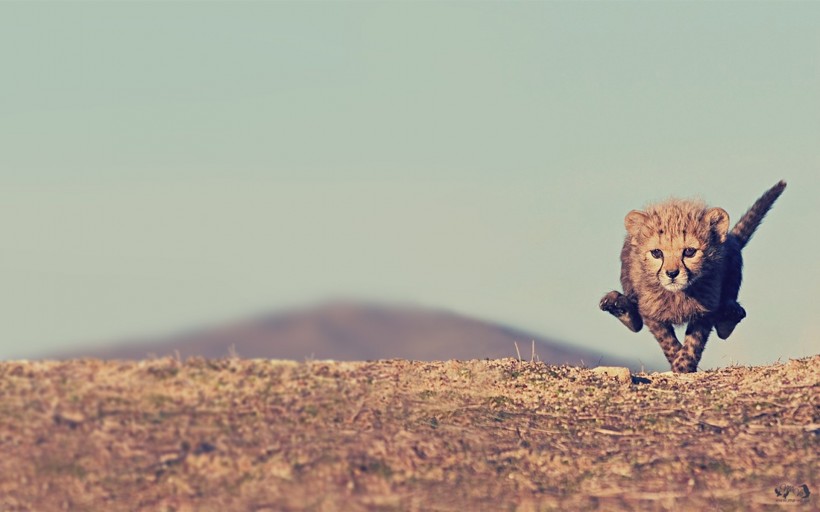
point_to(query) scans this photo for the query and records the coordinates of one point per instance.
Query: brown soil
(502, 434)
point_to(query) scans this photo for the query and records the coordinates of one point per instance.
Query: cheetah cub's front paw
(619, 306)
(728, 317)
(615, 303)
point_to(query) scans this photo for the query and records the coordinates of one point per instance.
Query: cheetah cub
(680, 263)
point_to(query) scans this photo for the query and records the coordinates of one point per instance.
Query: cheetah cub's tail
(746, 226)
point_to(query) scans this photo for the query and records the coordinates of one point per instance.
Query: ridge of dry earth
(501, 434)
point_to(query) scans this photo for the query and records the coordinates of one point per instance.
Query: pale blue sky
(169, 165)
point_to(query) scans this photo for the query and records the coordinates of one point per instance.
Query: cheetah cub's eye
(656, 253)
(689, 252)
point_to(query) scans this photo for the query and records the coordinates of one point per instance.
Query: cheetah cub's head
(677, 241)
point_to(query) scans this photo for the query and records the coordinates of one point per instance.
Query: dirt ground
(232, 434)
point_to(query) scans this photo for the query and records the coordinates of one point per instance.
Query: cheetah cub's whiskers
(680, 263)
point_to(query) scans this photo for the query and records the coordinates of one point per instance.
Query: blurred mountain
(349, 331)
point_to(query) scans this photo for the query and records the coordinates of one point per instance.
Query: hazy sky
(168, 165)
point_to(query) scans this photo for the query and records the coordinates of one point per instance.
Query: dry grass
(400, 435)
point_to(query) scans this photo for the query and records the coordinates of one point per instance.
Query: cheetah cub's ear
(634, 222)
(718, 220)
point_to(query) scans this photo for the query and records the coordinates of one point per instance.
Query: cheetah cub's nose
(673, 273)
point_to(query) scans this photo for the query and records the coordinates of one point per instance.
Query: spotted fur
(680, 263)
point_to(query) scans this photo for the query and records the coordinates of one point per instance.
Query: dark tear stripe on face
(663, 256)
(683, 258)
(683, 262)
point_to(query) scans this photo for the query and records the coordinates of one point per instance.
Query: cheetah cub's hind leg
(727, 318)
(622, 308)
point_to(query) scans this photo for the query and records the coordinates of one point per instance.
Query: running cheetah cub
(680, 263)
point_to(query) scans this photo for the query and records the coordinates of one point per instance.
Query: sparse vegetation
(503, 434)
